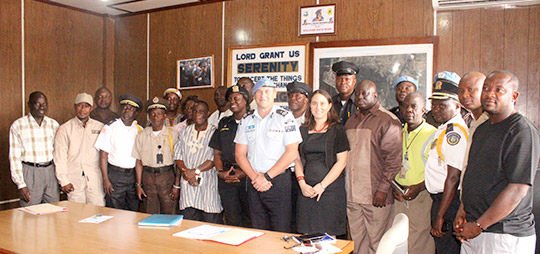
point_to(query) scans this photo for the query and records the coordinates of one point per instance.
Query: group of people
(462, 172)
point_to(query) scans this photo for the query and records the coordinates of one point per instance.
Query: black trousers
(271, 210)
(235, 202)
(448, 244)
(191, 213)
(124, 195)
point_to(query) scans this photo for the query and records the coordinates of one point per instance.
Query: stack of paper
(43, 209)
(230, 236)
(161, 220)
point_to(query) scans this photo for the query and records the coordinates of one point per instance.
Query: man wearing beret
(403, 85)
(115, 144)
(445, 160)
(76, 158)
(298, 94)
(266, 146)
(345, 82)
(156, 178)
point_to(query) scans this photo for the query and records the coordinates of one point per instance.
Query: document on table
(98, 218)
(230, 236)
(43, 209)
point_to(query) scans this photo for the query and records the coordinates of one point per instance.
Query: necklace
(321, 129)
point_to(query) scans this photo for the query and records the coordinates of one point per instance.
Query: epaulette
(450, 128)
(112, 121)
(282, 112)
(249, 113)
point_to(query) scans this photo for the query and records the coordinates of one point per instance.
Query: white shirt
(267, 137)
(117, 140)
(216, 116)
(447, 149)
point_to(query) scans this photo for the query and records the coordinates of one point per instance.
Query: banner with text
(281, 64)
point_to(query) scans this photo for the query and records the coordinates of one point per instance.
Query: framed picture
(317, 20)
(281, 63)
(381, 61)
(195, 73)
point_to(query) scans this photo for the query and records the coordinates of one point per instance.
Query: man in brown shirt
(103, 112)
(375, 158)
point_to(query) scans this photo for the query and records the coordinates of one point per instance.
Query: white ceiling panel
(118, 7)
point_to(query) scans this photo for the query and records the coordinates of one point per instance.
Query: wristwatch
(197, 171)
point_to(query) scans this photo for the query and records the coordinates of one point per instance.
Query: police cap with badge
(345, 68)
(130, 99)
(157, 102)
(299, 87)
(445, 86)
(237, 89)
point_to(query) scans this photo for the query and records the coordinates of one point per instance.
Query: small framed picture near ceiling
(317, 20)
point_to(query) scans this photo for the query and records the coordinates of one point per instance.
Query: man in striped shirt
(31, 144)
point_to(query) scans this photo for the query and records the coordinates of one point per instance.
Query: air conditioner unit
(442, 5)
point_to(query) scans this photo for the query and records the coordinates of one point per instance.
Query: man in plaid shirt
(31, 144)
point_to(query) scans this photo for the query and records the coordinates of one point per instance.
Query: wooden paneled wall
(490, 39)
(63, 56)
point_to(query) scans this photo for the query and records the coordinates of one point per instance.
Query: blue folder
(161, 220)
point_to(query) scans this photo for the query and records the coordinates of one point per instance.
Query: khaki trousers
(420, 239)
(367, 225)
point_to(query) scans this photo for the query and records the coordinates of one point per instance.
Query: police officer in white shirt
(115, 144)
(266, 146)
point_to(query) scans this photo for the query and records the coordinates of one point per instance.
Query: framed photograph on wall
(381, 61)
(317, 20)
(195, 73)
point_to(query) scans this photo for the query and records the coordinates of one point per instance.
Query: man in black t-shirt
(495, 215)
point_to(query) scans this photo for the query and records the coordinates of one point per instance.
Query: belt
(227, 166)
(125, 170)
(158, 170)
(38, 165)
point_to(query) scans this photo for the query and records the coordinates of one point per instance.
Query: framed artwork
(317, 20)
(281, 63)
(381, 61)
(195, 73)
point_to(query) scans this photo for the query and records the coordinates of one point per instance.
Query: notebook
(43, 209)
(161, 220)
(225, 235)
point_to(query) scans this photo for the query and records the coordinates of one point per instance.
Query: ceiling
(122, 7)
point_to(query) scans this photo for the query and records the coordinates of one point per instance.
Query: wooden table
(22, 232)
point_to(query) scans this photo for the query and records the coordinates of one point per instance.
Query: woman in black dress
(319, 169)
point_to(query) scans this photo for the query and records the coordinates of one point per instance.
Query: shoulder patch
(453, 138)
(282, 112)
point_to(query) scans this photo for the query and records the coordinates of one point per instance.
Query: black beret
(237, 89)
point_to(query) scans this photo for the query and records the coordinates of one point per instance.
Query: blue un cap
(406, 79)
(263, 82)
(447, 75)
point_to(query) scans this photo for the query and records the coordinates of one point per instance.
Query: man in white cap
(76, 158)
(174, 118)
(266, 145)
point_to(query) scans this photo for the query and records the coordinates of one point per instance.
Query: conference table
(21, 232)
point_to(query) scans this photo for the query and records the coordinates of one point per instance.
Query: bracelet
(300, 178)
(138, 184)
(268, 178)
(480, 226)
(176, 186)
(322, 185)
